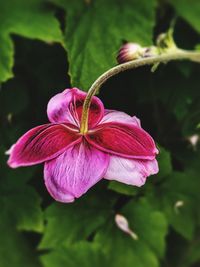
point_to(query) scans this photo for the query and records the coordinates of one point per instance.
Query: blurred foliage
(42, 41)
(95, 31)
(25, 18)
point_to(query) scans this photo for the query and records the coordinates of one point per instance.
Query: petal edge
(67, 107)
(75, 171)
(130, 171)
(124, 140)
(41, 143)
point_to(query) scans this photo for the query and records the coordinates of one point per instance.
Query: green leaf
(20, 210)
(192, 256)
(180, 213)
(22, 205)
(151, 228)
(124, 189)
(6, 57)
(165, 165)
(28, 215)
(30, 19)
(112, 247)
(177, 199)
(197, 47)
(15, 251)
(19, 201)
(95, 30)
(189, 11)
(73, 222)
(82, 254)
(153, 233)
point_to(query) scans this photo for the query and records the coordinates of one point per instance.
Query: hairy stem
(174, 54)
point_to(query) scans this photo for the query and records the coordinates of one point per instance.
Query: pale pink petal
(126, 140)
(129, 171)
(9, 151)
(76, 170)
(67, 107)
(119, 116)
(137, 121)
(42, 143)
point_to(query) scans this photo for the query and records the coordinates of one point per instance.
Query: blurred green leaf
(15, 250)
(189, 11)
(164, 163)
(95, 31)
(85, 233)
(85, 254)
(73, 222)
(6, 57)
(177, 199)
(18, 200)
(148, 224)
(197, 47)
(179, 210)
(192, 255)
(112, 247)
(21, 203)
(20, 210)
(30, 19)
(124, 189)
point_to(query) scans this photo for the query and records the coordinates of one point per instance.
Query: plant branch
(169, 55)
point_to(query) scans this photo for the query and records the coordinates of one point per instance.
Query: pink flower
(115, 147)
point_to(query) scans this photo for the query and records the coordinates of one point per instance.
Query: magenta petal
(67, 107)
(42, 143)
(125, 140)
(119, 116)
(76, 170)
(130, 171)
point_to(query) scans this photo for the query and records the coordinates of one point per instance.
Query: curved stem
(175, 54)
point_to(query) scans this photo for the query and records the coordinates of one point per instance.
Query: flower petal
(130, 171)
(76, 170)
(122, 139)
(67, 107)
(42, 143)
(119, 116)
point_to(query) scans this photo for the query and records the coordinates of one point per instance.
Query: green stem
(174, 54)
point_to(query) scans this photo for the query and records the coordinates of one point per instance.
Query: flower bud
(129, 51)
(194, 140)
(123, 224)
(178, 205)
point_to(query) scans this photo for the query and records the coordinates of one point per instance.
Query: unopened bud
(123, 224)
(178, 205)
(132, 51)
(193, 140)
(9, 117)
(129, 51)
